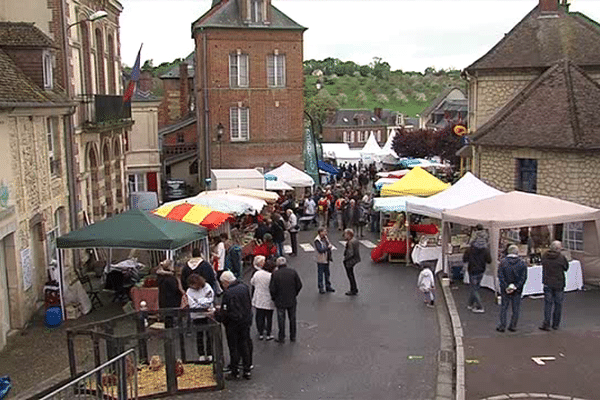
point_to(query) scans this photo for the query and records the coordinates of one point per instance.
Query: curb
(457, 336)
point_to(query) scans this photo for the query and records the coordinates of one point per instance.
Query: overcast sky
(409, 34)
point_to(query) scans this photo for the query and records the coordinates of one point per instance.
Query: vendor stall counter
(534, 285)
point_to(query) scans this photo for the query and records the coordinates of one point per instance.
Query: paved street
(380, 344)
(501, 363)
(349, 347)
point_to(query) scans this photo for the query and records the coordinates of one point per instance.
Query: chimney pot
(548, 5)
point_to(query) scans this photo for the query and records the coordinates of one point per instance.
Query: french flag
(135, 77)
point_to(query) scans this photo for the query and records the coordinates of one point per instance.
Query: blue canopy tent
(330, 169)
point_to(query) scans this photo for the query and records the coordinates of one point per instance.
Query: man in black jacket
(478, 255)
(284, 287)
(554, 266)
(351, 258)
(236, 314)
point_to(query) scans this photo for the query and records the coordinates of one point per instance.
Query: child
(426, 285)
(200, 297)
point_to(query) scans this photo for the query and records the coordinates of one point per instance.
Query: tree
(318, 106)
(425, 143)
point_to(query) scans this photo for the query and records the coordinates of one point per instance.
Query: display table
(534, 285)
(149, 295)
(423, 253)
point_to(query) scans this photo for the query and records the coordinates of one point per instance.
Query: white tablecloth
(533, 284)
(422, 253)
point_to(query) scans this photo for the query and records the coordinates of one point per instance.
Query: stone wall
(566, 175)
(489, 93)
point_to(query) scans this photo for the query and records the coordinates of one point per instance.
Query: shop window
(573, 236)
(526, 175)
(239, 124)
(136, 183)
(276, 70)
(238, 70)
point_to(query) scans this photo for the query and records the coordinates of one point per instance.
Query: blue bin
(53, 317)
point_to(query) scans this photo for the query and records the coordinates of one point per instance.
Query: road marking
(287, 249)
(415, 357)
(307, 247)
(540, 360)
(368, 244)
(343, 243)
(472, 361)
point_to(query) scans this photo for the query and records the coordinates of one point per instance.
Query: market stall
(228, 203)
(292, 176)
(519, 209)
(269, 197)
(233, 178)
(469, 189)
(371, 150)
(133, 229)
(417, 182)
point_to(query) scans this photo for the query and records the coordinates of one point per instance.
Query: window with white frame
(238, 70)
(352, 137)
(573, 236)
(378, 135)
(345, 137)
(239, 123)
(53, 145)
(257, 11)
(47, 69)
(362, 136)
(276, 70)
(136, 183)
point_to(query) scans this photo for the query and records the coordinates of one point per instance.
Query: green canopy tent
(133, 229)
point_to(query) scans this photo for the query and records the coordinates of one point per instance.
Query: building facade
(248, 81)
(355, 127)
(34, 113)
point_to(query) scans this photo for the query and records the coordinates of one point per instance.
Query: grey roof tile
(559, 110)
(23, 34)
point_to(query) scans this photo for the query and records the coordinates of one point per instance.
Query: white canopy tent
(370, 151)
(519, 209)
(341, 153)
(292, 176)
(469, 189)
(278, 185)
(234, 178)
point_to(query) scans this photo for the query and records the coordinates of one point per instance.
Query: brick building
(249, 81)
(356, 126)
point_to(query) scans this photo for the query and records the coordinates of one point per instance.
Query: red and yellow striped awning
(193, 214)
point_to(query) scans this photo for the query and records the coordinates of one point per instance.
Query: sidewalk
(36, 357)
(500, 365)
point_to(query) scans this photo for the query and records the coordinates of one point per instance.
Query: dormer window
(256, 11)
(47, 69)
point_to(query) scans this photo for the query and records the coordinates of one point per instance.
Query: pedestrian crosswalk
(307, 247)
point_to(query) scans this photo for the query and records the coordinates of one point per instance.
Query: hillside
(348, 85)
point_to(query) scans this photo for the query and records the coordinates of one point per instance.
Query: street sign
(541, 360)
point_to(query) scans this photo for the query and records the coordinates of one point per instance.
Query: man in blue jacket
(512, 274)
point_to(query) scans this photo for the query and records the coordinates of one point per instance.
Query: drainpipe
(206, 108)
(69, 122)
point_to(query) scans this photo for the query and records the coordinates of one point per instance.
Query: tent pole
(60, 284)
(407, 224)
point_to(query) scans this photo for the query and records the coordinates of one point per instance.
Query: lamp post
(220, 130)
(91, 18)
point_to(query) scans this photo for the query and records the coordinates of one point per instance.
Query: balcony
(175, 149)
(98, 110)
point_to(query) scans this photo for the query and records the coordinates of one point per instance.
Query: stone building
(355, 127)
(449, 108)
(534, 109)
(88, 66)
(34, 112)
(249, 80)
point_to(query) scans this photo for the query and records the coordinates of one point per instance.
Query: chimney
(549, 6)
(378, 111)
(184, 90)
(145, 84)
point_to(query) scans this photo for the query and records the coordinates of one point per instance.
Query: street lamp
(220, 130)
(91, 18)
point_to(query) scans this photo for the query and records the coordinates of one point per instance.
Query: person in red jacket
(267, 248)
